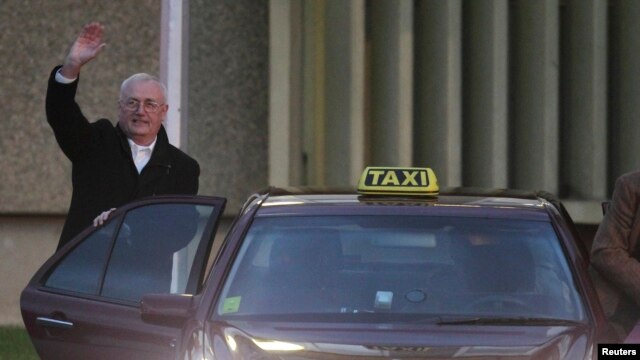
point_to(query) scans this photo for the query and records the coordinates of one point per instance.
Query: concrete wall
(228, 100)
(25, 243)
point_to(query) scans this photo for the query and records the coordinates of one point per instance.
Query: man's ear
(165, 111)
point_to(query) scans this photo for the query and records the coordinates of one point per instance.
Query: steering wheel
(499, 302)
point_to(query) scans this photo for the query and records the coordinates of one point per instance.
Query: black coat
(103, 173)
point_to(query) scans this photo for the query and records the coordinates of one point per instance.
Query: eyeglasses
(134, 104)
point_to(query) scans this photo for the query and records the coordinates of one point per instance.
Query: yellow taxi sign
(377, 180)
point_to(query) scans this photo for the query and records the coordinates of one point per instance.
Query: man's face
(141, 111)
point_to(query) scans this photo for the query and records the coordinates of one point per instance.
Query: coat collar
(160, 155)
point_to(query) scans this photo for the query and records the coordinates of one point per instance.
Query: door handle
(53, 323)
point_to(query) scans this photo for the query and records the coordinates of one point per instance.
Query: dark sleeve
(71, 129)
(185, 172)
(611, 252)
(191, 180)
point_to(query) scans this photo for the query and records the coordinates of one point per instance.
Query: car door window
(151, 245)
(148, 249)
(80, 271)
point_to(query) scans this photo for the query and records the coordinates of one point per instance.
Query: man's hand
(86, 47)
(100, 219)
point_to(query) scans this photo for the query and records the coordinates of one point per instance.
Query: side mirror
(166, 309)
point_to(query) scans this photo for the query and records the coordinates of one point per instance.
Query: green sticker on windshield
(231, 305)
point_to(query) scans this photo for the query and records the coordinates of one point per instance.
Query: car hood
(245, 340)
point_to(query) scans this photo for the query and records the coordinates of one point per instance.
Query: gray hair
(143, 77)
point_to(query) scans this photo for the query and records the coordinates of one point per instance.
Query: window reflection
(392, 266)
(81, 269)
(154, 251)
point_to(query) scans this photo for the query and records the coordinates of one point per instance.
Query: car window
(153, 252)
(81, 269)
(400, 266)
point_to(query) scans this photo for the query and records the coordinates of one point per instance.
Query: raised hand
(86, 47)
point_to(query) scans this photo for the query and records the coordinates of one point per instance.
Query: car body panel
(67, 324)
(346, 341)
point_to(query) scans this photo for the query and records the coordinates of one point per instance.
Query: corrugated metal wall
(531, 94)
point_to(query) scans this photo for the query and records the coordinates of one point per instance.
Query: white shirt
(63, 80)
(141, 154)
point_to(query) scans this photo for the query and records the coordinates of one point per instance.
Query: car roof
(464, 196)
(450, 202)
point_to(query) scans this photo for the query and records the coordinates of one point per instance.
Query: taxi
(395, 269)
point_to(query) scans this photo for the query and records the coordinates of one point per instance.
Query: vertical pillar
(285, 149)
(313, 89)
(391, 82)
(344, 93)
(535, 86)
(625, 107)
(438, 129)
(485, 132)
(173, 67)
(584, 164)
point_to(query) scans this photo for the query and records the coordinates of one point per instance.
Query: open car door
(84, 302)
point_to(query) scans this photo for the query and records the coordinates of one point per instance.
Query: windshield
(386, 268)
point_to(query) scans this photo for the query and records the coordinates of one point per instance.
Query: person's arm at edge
(611, 255)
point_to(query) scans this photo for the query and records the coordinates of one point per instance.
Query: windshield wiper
(519, 320)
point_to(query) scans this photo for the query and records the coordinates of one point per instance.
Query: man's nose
(140, 108)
